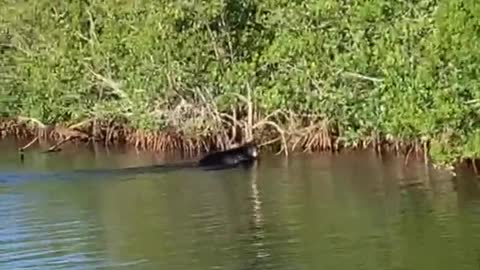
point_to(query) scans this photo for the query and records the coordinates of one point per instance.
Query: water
(308, 212)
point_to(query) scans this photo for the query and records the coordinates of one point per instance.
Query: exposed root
(28, 144)
(81, 124)
(193, 128)
(408, 155)
(280, 131)
(56, 147)
(474, 165)
(270, 142)
(23, 127)
(315, 137)
(31, 119)
(425, 152)
(62, 133)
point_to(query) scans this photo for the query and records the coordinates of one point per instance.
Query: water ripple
(326, 217)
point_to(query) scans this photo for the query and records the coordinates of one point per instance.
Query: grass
(312, 75)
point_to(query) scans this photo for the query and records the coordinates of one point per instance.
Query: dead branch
(55, 148)
(28, 144)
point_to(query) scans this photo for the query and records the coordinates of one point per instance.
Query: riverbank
(316, 75)
(307, 139)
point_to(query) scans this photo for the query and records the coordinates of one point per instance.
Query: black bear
(243, 155)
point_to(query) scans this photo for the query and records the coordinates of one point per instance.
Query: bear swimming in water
(243, 155)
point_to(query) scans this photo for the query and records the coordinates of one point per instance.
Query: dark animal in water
(242, 156)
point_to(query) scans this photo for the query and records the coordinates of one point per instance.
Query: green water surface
(325, 211)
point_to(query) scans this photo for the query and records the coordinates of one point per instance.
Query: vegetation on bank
(319, 74)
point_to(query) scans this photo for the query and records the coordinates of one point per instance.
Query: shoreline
(170, 142)
(293, 77)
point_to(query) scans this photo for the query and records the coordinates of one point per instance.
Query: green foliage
(406, 69)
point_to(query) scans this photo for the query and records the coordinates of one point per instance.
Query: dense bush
(401, 69)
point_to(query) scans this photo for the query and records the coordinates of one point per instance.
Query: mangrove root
(21, 149)
(56, 147)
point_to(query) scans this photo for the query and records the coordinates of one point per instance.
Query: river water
(322, 211)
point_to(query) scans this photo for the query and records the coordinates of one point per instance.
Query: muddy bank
(52, 137)
(306, 139)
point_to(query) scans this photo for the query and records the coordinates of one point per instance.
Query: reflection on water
(307, 212)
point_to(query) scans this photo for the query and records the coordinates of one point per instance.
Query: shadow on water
(348, 211)
(75, 163)
(128, 173)
(206, 163)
